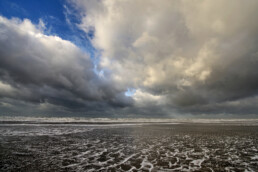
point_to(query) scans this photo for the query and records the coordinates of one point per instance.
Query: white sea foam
(126, 148)
(123, 120)
(254, 157)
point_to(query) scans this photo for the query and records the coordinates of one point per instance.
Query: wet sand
(119, 147)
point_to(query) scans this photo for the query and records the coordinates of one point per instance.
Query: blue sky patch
(130, 92)
(59, 17)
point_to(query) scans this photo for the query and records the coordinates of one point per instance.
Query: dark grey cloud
(39, 69)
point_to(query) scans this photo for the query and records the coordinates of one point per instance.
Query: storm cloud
(179, 58)
(44, 69)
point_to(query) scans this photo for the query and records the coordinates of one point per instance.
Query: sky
(129, 58)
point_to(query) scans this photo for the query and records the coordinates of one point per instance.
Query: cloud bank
(180, 57)
(48, 71)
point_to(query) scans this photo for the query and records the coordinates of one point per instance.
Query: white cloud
(185, 50)
(6, 88)
(146, 99)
